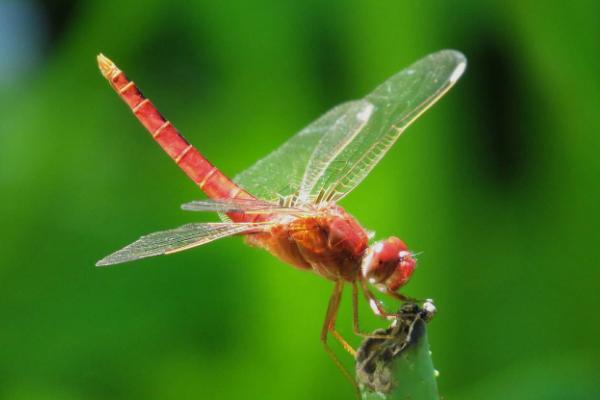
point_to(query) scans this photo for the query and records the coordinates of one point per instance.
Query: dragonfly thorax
(388, 264)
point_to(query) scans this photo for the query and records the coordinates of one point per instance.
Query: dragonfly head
(388, 264)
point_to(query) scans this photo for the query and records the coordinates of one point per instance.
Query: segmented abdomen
(208, 177)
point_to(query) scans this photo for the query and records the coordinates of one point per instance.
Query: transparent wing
(327, 159)
(398, 102)
(281, 173)
(174, 240)
(246, 206)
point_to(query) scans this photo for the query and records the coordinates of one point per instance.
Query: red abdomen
(208, 178)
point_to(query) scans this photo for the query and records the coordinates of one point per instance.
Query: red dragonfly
(286, 203)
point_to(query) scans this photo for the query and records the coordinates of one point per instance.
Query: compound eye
(381, 260)
(387, 251)
(403, 272)
(400, 245)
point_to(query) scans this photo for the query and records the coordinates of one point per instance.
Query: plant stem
(399, 366)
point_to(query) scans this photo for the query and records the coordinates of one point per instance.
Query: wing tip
(461, 63)
(111, 259)
(457, 54)
(105, 262)
(458, 71)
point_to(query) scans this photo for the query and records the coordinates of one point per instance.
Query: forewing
(282, 172)
(332, 143)
(174, 240)
(398, 102)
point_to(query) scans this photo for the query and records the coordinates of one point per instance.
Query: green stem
(399, 366)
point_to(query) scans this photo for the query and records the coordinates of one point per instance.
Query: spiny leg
(343, 342)
(330, 318)
(376, 304)
(329, 326)
(355, 324)
(401, 297)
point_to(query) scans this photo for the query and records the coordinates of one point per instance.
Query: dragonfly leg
(402, 297)
(329, 326)
(375, 304)
(355, 324)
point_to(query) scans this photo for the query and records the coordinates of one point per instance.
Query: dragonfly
(287, 202)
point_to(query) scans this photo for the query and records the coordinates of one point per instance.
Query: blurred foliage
(497, 184)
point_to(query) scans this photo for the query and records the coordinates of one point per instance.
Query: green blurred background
(497, 185)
